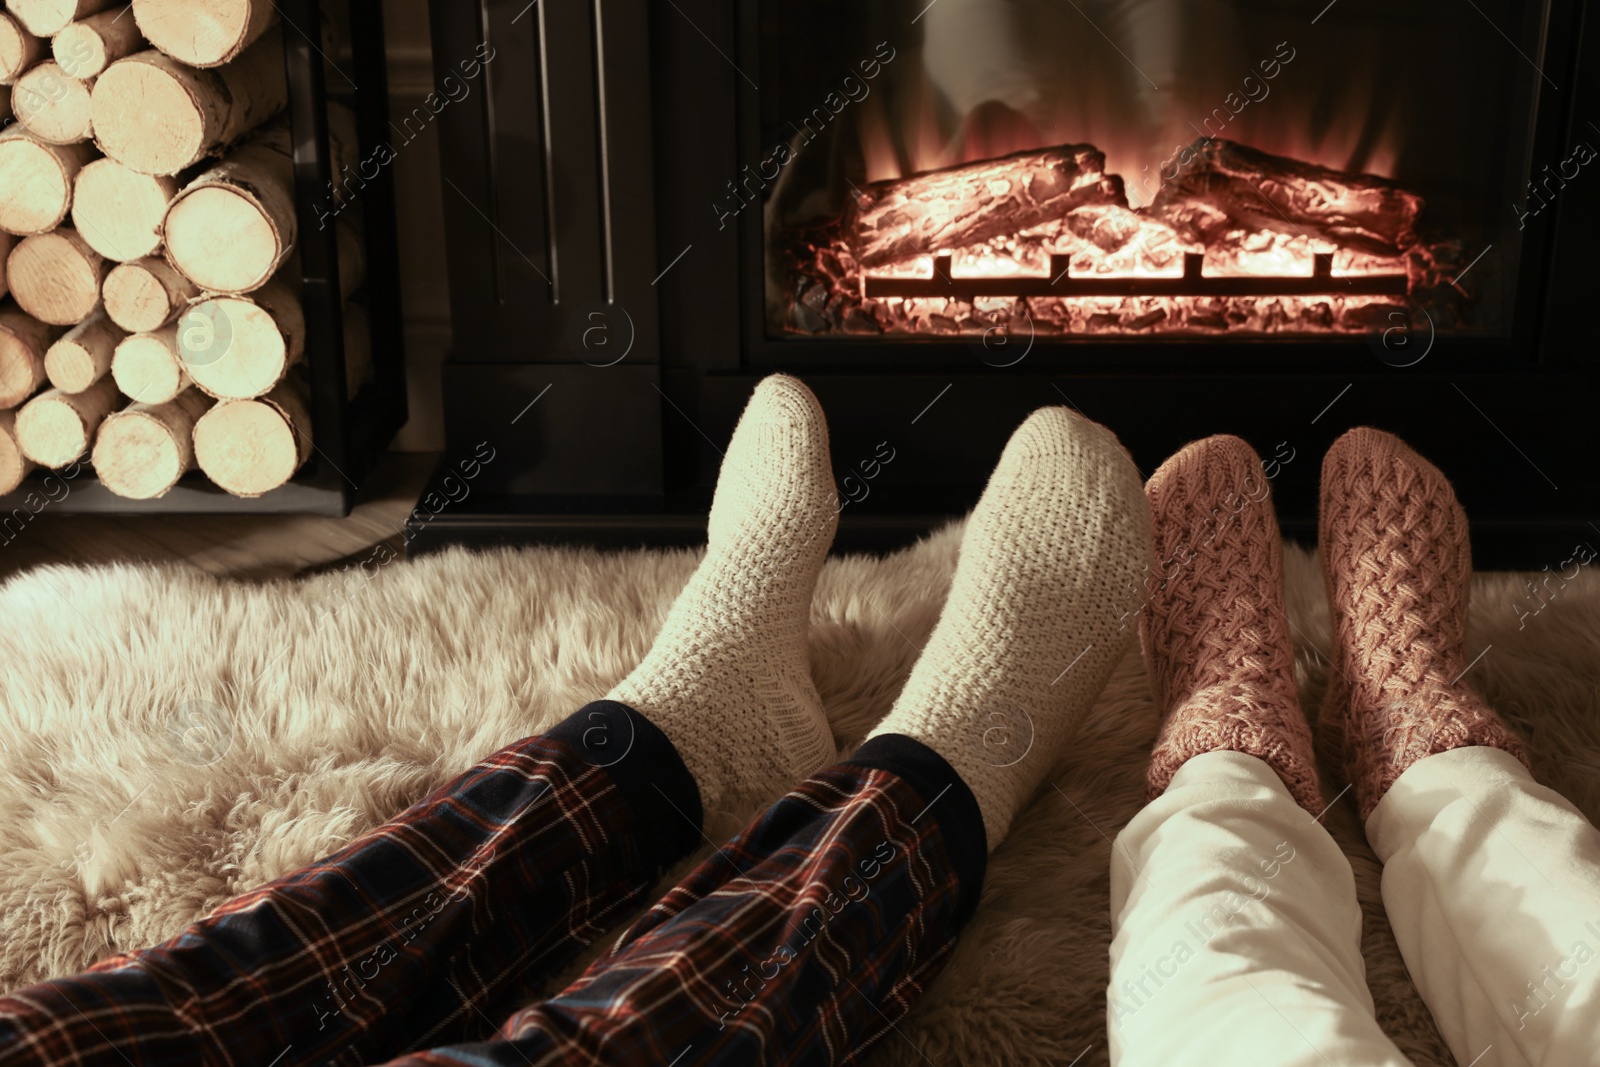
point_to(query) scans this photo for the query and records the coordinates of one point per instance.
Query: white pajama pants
(1237, 932)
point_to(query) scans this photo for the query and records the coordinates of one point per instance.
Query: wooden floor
(239, 546)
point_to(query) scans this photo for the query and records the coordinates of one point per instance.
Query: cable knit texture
(1032, 626)
(1397, 563)
(728, 679)
(1214, 632)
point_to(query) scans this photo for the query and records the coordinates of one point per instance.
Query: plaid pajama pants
(804, 940)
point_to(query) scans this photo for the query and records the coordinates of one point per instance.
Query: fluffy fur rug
(168, 740)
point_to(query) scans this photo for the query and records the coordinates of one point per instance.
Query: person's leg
(1237, 935)
(412, 935)
(1491, 881)
(1236, 931)
(504, 873)
(806, 939)
(814, 933)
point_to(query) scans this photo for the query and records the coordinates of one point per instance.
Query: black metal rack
(348, 435)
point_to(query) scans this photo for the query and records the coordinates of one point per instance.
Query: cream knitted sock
(728, 680)
(1032, 627)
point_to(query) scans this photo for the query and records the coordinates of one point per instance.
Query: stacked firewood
(149, 233)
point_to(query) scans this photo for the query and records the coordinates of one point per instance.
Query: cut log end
(72, 368)
(79, 51)
(55, 277)
(14, 466)
(147, 367)
(37, 181)
(84, 49)
(46, 18)
(23, 343)
(146, 294)
(158, 116)
(19, 49)
(118, 210)
(138, 456)
(203, 33)
(238, 348)
(152, 115)
(142, 451)
(82, 356)
(55, 428)
(224, 240)
(53, 106)
(51, 433)
(21, 371)
(251, 447)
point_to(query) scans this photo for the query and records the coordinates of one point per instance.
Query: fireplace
(1010, 168)
(1182, 217)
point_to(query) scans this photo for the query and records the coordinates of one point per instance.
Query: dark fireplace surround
(607, 291)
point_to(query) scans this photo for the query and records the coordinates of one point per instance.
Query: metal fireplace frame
(608, 330)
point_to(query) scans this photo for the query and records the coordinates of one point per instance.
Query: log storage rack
(348, 384)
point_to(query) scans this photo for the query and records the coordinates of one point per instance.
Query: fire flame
(907, 135)
(1359, 140)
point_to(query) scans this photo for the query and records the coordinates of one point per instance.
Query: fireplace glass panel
(1145, 168)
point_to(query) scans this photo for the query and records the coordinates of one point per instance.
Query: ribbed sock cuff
(647, 771)
(950, 802)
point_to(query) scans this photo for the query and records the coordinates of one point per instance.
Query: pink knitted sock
(1398, 567)
(1214, 632)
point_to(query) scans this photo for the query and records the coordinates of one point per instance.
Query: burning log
(1107, 226)
(961, 206)
(1221, 186)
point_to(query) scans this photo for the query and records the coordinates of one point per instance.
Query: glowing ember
(1238, 241)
